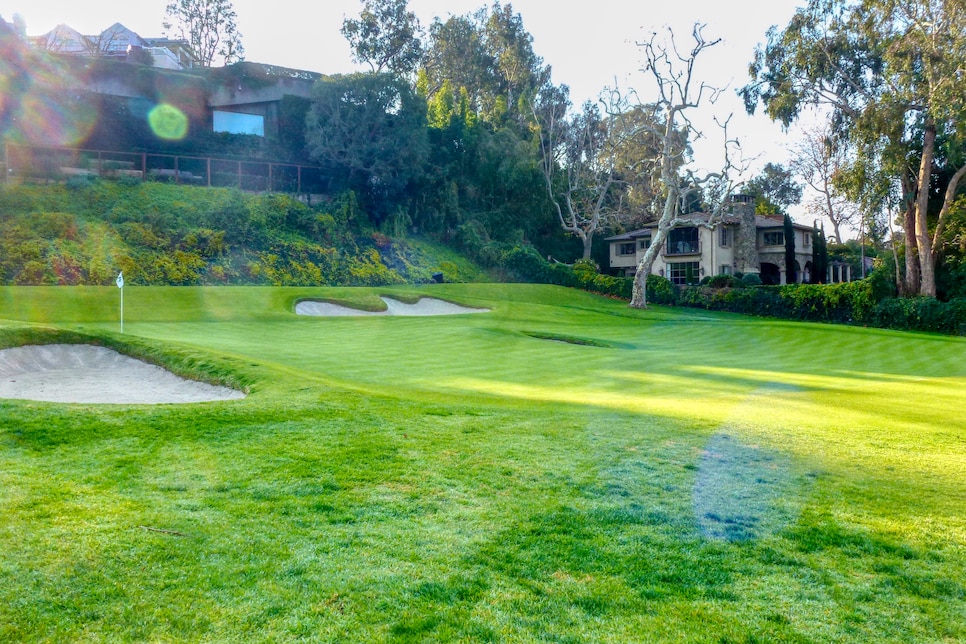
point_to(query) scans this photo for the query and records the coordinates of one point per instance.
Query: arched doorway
(771, 274)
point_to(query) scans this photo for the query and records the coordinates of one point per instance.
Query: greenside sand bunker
(425, 306)
(80, 373)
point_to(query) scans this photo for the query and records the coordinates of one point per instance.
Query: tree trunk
(926, 264)
(639, 290)
(911, 285)
(588, 241)
(835, 229)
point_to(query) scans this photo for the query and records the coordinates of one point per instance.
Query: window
(645, 241)
(683, 272)
(238, 123)
(626, 248)
(683, 241)
(808, 239)
(774, 238)
(724, 270)
(724, 237)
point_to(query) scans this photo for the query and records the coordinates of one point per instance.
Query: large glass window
(682, 272)
(238, 123)
(683, 241)
(626, 248)
(776, 238)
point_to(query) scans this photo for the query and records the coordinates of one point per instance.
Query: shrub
(720, 281)
(921, 314)
(751, 279)
(661, 290)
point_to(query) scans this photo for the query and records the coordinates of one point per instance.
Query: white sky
(589, 45)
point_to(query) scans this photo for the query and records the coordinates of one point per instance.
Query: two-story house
(741, 241)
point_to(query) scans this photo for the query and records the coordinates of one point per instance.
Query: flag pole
(120, 285)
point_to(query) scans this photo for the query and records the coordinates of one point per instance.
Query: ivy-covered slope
(85, 233)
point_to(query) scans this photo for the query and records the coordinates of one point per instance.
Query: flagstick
(120, 284)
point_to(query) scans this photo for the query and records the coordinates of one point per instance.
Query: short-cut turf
(562, 468)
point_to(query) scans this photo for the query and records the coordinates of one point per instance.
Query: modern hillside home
(117, 42)
(244, 98)
(741, 242)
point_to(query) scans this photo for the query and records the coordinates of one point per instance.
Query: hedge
(527, 264)
(844, 303)
(922, 314)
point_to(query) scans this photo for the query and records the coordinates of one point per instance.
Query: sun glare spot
(168, 122)
(55, 124)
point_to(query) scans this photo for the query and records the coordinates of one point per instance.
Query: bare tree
(679, 92)
(208, 26)
(820, 160)
(590, 160)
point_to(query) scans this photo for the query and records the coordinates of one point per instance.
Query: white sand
(425, 306)
(80, 373)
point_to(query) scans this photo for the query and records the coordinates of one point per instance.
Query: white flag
(120, 280)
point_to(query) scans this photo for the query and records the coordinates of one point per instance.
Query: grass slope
(560, 469)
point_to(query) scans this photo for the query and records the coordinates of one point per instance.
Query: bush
(661, 290)
(921, 314)
(720, 281)
(526, 264)
(751, 279)
(845, 303)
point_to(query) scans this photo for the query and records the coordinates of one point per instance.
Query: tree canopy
(208, 26)
(889, 73)
(370, 129)
(386, 36)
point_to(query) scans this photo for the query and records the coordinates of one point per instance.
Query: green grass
(560, 469)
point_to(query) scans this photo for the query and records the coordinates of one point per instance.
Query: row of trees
(888, 75)
(602, 166)
(458, 130)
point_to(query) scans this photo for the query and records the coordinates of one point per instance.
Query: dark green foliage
(720, 281)
(751, 279)
(819, 257)
(843, 303)
(774, 189)
(922, 314)
(791, 275)
(689, 275)
(370, 131)
(527, 265)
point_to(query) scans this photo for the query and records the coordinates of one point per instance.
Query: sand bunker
(80, 373)
(425, 306)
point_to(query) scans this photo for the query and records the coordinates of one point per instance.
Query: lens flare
(168, 122)
(46, 120)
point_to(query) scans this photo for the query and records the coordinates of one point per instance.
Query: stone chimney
(746, 237)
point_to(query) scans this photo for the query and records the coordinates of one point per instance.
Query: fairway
(558, 467)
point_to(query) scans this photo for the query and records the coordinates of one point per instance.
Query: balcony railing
(682, 248)
(42, 163)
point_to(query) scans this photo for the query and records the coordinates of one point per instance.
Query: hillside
(85, 233)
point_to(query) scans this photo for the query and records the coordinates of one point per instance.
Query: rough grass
(707, 477)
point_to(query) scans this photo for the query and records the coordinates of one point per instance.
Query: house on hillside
(741, 242)
(117, 42)
(244, 98)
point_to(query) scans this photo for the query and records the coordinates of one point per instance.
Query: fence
(52, 164)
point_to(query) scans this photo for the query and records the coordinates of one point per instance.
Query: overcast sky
(590, 45)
